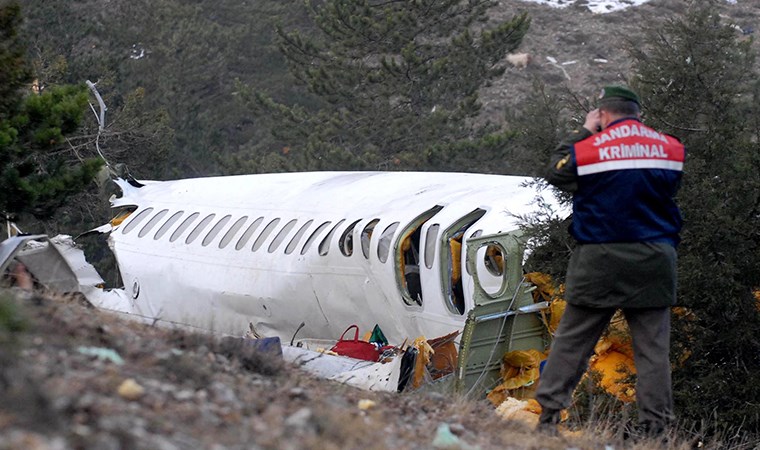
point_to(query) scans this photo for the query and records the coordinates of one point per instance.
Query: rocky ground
(575, 50)
(73, 377)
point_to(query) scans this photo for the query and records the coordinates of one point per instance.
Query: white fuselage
(329, 249)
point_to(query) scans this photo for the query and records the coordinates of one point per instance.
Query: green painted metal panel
(501, 321)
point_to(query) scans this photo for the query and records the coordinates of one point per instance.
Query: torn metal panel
(503, 320)
(372, 376)
(42, 259)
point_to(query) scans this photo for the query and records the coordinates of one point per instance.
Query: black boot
(548, 421)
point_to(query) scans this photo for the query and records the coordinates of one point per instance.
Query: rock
(300, 419)
(130, 390)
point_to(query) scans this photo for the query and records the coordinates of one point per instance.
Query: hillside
(64, 369)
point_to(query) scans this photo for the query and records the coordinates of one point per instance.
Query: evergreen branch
(681, 128)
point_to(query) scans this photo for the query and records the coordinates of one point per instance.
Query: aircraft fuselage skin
(328, 249)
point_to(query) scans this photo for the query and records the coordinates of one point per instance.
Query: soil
(74, 377)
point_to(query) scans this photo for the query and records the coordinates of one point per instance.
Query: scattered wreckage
(297, 258)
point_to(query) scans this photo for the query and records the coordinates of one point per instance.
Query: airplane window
(183, 226)
(232, 231)
(366, 236)
(265, 234)
(453, 238)
(199, 228)
(168, 224)
(281, 235)
(346, 242)
(152, 222)
(407, 258)
(136, 221)
(215, 230)
(324, 246)
(314, 236)
(494, 260)
(430, 240)
(384, 245)
(299, 234)
(122, 214)
(248, 233)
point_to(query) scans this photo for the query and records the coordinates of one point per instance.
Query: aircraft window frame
(324, 246)
(346, 241)
(199, 228)
(152, 223)
(265, 234)
(168, 224)
(293, 244)
(248, 234)
(460, 226)
(230, 234)
(215, 230)
(314, 235)
(477, 233)
(366, 236)
(184, 226)
(402, 268)
(281, 235)
(385, 242)
(139, 217)
(431, 237)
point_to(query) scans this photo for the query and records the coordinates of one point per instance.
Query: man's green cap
(618, 93)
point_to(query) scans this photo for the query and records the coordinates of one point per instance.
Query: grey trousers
(578, 332)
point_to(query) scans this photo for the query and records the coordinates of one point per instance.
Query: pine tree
(35, 173)
(394, 84)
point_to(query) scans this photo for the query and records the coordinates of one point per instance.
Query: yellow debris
(519, 373)
(526, 411)
(325, 351)
(424, 354)
(365, 404)
(514, 409)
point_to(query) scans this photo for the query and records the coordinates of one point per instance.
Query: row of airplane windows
(345, 243)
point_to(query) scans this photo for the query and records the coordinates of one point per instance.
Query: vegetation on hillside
(396, 86)
(37, 170)
(174, 65)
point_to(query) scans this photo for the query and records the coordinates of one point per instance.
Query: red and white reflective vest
(628, 176)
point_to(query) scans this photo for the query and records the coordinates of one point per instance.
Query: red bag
(356, 348)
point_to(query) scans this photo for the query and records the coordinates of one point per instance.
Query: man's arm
(562, 171)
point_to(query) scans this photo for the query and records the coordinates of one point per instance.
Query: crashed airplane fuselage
(328, 249)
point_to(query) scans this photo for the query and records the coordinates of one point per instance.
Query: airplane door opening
(407, 257)
(451, 274)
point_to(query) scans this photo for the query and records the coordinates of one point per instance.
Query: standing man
(624, 177)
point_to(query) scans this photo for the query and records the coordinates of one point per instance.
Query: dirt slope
(589, 48)
(64, 384)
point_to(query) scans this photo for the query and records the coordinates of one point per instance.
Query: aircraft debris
(105, 354)
(366, 404)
